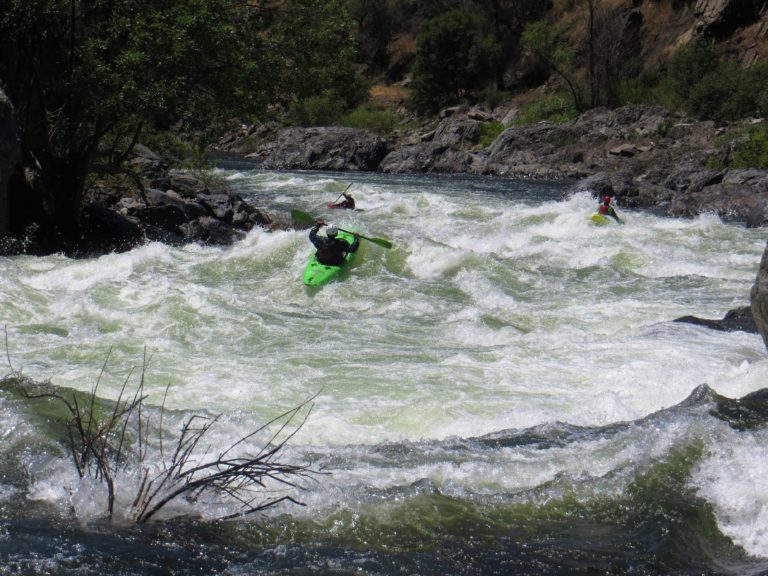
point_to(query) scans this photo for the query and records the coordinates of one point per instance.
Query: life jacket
(331, 253)
(603, 209)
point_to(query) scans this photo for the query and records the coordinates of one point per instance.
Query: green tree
(378, 23)
(689, 64)
(87, 77)
(509, 18)
(456, 56)
(315, 45)
(550, 47)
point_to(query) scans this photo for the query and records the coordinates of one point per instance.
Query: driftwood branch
(105, 443)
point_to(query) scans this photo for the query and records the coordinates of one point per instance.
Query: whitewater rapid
(500, 307)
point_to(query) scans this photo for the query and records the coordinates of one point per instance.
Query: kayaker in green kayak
(330, 249)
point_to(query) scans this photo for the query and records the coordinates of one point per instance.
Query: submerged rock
(736, 319)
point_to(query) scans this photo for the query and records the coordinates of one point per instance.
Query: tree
(87, 78)
(315, 46)
(604, 54)
(550, 47)
(378, 22)
(456, 55)
(509, 18)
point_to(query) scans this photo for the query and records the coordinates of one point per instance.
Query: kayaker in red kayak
(330, 249)
(348, 202)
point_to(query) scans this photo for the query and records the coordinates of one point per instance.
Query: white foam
(733, 478)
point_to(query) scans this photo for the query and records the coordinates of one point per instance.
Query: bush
(709, 89)
(489, 131)
(754, 152)
(558, 108)
(382, 122)
(727, 93)
(322, 110)
(648, 87)
(689, 64)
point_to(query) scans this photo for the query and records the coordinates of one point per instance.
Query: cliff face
(652, 29)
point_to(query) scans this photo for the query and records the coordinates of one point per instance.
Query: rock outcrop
(10, 155)
(737, 319)
(331, 148)
(759, 298)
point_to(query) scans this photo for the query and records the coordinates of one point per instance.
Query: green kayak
(316, 274)
(602, 219)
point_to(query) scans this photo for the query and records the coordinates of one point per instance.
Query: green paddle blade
(302, 216)
(380, 241)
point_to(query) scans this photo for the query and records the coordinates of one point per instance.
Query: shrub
(322, 110)
(489, 131)
(689, 64)
(703, 86)
(727, 93)
(754, 152)
(558, 108)
(382, 122)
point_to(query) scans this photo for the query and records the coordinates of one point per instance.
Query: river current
(504, 391)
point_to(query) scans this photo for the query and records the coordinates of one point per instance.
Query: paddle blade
(380, 241)
(302, 216)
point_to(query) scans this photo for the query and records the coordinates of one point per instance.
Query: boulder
(758, 215)
(737, 319)
(10, 155)
(330, 148)
(759, 298)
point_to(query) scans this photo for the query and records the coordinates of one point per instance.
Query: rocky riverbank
(645, 156)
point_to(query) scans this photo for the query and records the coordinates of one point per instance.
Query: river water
(502, 392)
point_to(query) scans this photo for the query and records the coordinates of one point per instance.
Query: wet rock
(759, 298)
(737, 319)
(327, 148)
(10, 155)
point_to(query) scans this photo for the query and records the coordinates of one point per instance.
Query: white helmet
(331, 231)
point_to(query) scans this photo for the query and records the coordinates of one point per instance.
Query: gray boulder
(329, 148)
(759, 298)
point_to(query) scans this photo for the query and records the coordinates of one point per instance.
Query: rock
(190, 209)
(627, 150)
(457, 132)
(167, 217)
(331, 148)
(10, 156)
(759, 298)
(616, 184)
(758, 215)
(692, 178)
(106, 230)
(736, 319)
(208, 230)
(145, 162)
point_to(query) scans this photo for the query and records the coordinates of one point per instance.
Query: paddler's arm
(356, 244)
(313, 237)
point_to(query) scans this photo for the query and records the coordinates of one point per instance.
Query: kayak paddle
(342, 194)
(305, 217)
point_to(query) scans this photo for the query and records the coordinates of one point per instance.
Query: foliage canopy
(455, 57)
